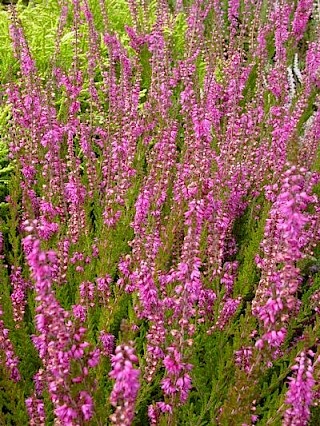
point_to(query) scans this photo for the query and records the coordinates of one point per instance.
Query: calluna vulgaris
(160, 257)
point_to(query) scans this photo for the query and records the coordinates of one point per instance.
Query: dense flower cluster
(7, 354)
(299, 395)
(36, 411)
(163, 211)
(126, 385)
(58, 341)
(285, 241)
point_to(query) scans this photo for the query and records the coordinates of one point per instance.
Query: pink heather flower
(66, 415)
(315, 301)
(285, 241)
(29, 172)
(18, 295)
(74, 192)
(230, 269)
(46, 229)
(228, 310)
(177, 380)
(125, 389)
(35, 408)
(136, 41)
(173, 363)
(87, 293)
(300, 19)
(86, 404)
(153, 415)
(243, 358)
(254, 418)
(184, 385)
(300, 392)
(168, 386)
(155, 410)
(80, 312)
(103, 287)
(165, 408)
(233, 11)
(49, 209)
(21, 51)
(59, 341)
(95, 250)
(313, 62)
(94, 358)
(108, 342)
(7, 353)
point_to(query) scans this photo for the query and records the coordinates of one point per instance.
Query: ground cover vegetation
(159, 184)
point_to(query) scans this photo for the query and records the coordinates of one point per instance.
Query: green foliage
(176, 34)
(12, 402)
(118, 15)
(39, 20)
(6, 167)
(6, 57)
(249, 230)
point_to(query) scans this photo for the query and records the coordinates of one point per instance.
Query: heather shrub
(159, 181)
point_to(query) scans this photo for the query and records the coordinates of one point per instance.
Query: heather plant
(160, 229)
